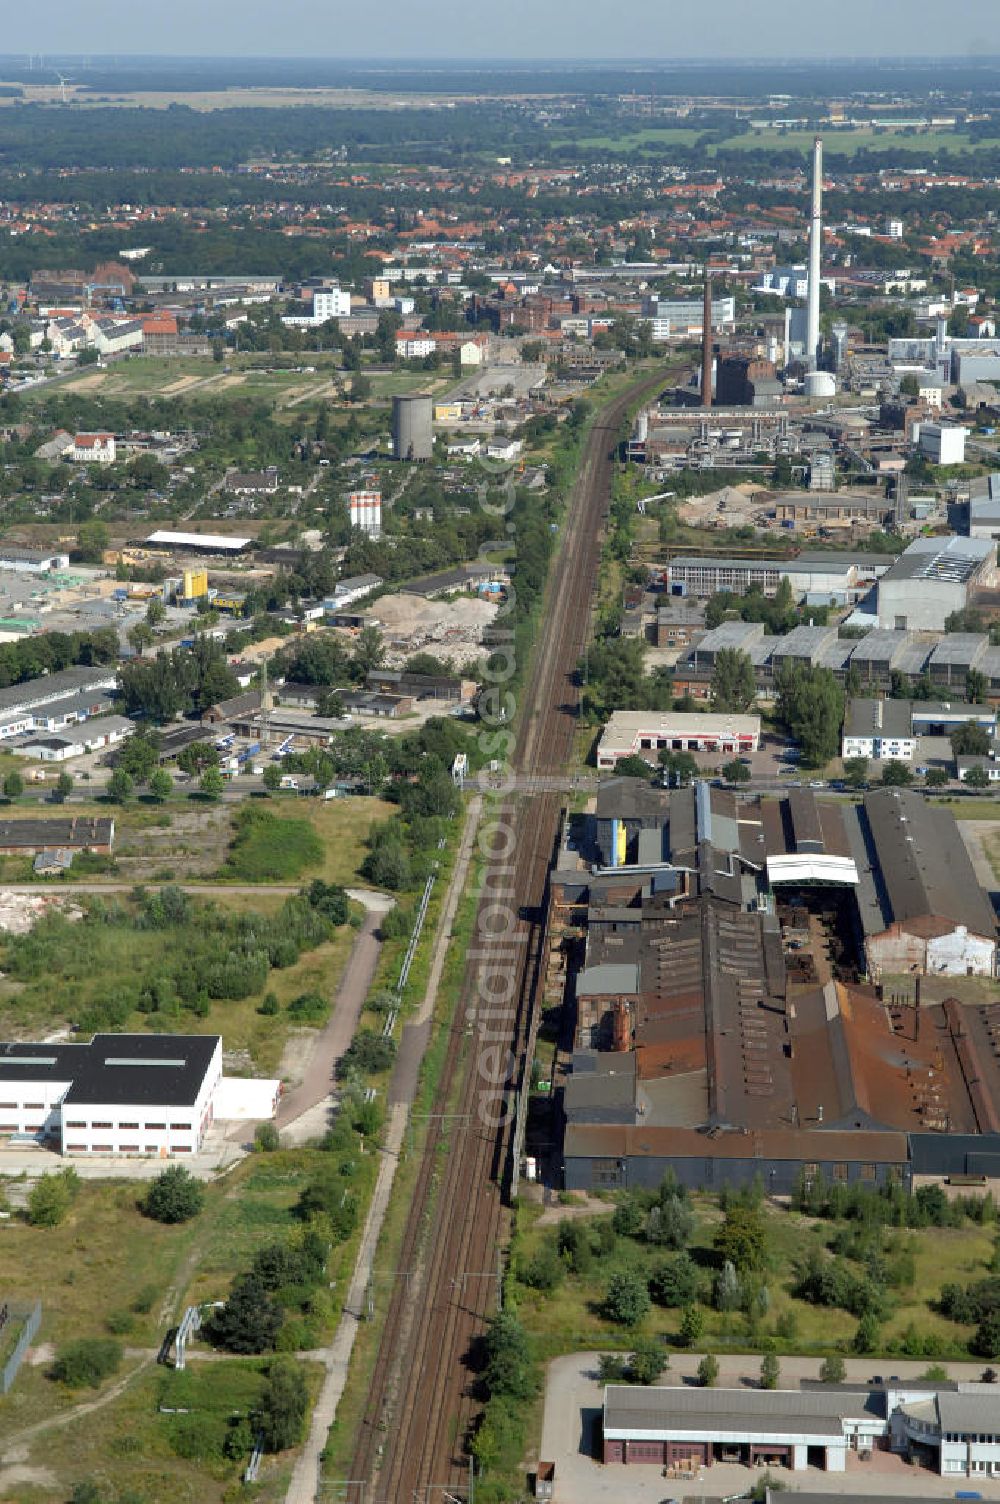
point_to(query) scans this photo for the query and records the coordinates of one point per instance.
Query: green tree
(976, 686)
(977, 778)
(626, 1298)
(508, 1370)
(13, 785)
(675, 1281)
(680, 767)
(272, 777)
(985, 1341)
(174, 1196)
(866, 1336)
(741, 1240)
(195, 758)
(211, 783)
(92, 539)
(897, 775)
(369, 650)
(156, 612)
(249, 1321)
(810, 702)
(856, 771)
(970, 740)
(120, 787)
(140, 637)
(770, 1371)
(736, 771)
(832, 1370)
(160, 784)
(708, 1371)
(692, 1326)
(64, 787)
(633, 766)
(138, 757)
(936, 778)
(280, 1412)
(734, 686)
(647, 1362)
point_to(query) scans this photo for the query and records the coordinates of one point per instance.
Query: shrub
(269, 1005)
(309, 1008)
(368, 1052)
(174, 1196)
(832, 1370)
(119, 1322)
(544, 1271)
(708, 1371)
(51, 1197)
(88, 1360)
(266, 1138)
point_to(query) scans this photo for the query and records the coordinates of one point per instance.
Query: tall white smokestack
(815, 255)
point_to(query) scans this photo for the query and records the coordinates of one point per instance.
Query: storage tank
(412, 428)
(820, 384)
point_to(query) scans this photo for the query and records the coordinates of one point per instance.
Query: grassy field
(343, 825)
(108, 1262)
(571, 1317)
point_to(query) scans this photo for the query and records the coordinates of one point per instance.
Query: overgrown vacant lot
(107, 1268)
(809, 1290)
(169, 962)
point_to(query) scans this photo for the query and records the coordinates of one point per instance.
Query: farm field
(847, 142)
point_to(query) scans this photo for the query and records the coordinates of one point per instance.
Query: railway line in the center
(412, 1441)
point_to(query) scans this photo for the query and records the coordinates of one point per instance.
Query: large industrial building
(944, 658)
(953, 1428)
(840, 577)
(931, 579)
(730, 1021)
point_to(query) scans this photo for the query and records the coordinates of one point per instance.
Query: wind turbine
(63, 81)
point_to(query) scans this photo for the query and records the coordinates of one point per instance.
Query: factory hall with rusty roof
(771, 987)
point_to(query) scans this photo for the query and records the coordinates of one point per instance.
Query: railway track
(412, 1442)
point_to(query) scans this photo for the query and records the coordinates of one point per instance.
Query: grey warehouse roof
(631, 1408)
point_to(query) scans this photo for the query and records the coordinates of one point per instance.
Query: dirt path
(317, 1082)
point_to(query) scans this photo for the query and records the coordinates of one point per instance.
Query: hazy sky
(597, 29)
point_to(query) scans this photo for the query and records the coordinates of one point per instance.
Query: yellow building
(195, 584)
(447, 412)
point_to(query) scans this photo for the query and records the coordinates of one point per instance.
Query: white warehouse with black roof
(121, 1094)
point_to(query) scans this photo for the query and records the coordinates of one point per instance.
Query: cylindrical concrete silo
(412, 428)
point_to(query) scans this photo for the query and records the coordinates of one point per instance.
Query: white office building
(331, 303)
